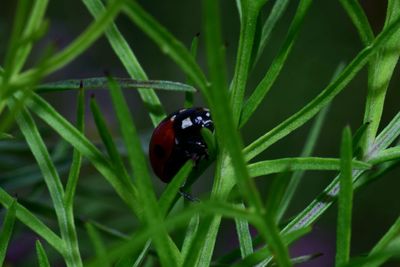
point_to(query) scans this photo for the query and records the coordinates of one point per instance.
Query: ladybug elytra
(177, 139)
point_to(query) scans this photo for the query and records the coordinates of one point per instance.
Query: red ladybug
(177, 139)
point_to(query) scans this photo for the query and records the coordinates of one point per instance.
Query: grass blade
(111, 148)
(101, 82)
(85, 147)
(386, 137)
(392, 234)
(170, 193)
(392, 153)
(306, 152)
(219, 103)
(266, 83)
(18, 24)
(53, 182)
(275, 194)
(249, 14)
(39, 150)
(303, 163)
(191, 232)
(130, 62)
(359, 19)
(381, 71)
(265, 252)
(168, 43)
(31, 28)
(41, 254)
(80, 44)
(276, 13)
(30, 220)
(245, 239)
(76, 157)
(193, 51)
(345, 202)
(7, 230)
(98, 244)
(166, 249)
(320, 101)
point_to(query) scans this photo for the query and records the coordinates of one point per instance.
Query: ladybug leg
(188, 196)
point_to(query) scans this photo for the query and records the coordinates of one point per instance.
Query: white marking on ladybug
(173, 118)
(198, 120)
(208, 114)
(186, 123)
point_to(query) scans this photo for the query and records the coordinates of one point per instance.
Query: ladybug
(177, 139)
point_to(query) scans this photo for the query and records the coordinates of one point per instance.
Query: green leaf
(276, 193)
(306, 152)
(358, 137)
(325, 199)
(9, 120)
(85, 147)
(98, 244)
(303, 163)
(380, 73)
(101, 82)
(30, 220)
(386, 137)
(211, 143)
(191, 232)
(79, 45)
(41, 254)
(130, 62)
(392, 234)
(320, 101)
(108, 230)
(359, 19)
(138, 239)
(345, 202)
(108, 141)
(266, 83)
(249, 13)
(52, 179)
(167, 43)
(193, 51)
(46, 165)
(219, 104)
(276, 13)
(392, 153)
(169, 196)
(245, 239)
(19, 22)
(33, 28)
(76, 157)
(152, 215)
(7, 230)
(265, 253)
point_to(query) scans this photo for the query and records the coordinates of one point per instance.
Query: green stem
(247, 31)
(380, 73)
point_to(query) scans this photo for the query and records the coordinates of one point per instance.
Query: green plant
(366, 156)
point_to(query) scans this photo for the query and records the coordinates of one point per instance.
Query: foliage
(149, 234)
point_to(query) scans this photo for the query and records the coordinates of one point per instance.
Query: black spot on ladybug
(159, 151)
(177, 139)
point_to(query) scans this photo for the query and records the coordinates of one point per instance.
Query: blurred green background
(327, 38)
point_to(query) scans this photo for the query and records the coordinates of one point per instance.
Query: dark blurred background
(327, 38)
